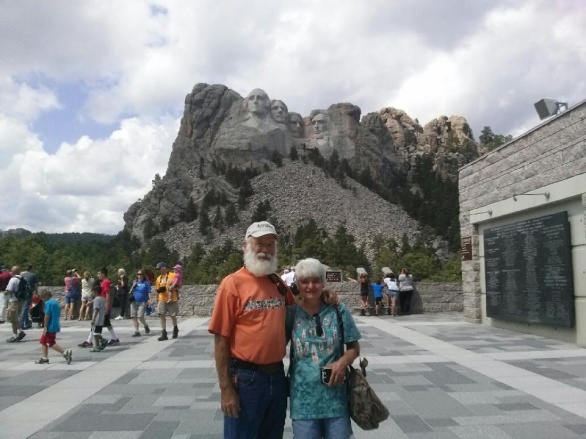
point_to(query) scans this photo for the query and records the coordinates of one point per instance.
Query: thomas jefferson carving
(279, 111)
(295, 125)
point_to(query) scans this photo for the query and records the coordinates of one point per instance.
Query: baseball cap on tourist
(3, 268)
(161, 264)
(261, 228)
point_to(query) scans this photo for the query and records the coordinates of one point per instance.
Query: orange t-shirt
(251, 313)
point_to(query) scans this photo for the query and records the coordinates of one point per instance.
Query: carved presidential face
(295, 124)
(257, 102)
(319, 124)
(279, 111)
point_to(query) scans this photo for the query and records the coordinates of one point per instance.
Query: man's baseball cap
(161, 264)
(3, 268)
(261, 228)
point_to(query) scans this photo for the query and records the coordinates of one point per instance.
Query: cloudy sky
(91, 92)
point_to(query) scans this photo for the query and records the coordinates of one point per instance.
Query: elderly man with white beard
(248, 323)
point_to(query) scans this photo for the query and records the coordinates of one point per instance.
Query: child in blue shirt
(377, 290)
(50, 329)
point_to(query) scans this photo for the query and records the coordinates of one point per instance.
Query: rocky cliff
(236, 149)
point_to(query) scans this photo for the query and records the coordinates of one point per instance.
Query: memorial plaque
(334, 276)
(466, 244)
(528, 271)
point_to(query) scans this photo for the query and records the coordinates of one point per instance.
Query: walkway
(440, 377)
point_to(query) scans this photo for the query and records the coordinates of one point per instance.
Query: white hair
(121, 272)
(310, 267)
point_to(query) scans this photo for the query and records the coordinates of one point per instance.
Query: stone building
(523, 228)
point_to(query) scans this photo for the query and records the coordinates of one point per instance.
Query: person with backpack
(4, 279)
(33, 283)
(19, 292)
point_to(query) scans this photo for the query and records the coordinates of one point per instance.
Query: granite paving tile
(480, 432)
(111, 422)
(160, 430)
(539, 430)
(174, 392)
(411, 424)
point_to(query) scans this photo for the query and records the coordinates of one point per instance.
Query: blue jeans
(329, 428)
(25, 321)
(263, 406)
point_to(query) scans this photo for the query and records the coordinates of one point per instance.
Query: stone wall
(549, 158)
(198, 300)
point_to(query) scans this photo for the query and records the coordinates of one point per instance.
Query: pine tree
(230, 216)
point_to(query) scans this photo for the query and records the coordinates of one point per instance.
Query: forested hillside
(51, 260)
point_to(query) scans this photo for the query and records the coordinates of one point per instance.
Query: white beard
(257, 266)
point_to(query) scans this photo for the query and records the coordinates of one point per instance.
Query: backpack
(24, 290)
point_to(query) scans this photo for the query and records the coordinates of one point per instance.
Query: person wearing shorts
(363, 279)
(14, 309)
(98, 319)
(167, 298)
(50, 329)
(87, 283)
(139, 293)
(377, 290)
(392, 293)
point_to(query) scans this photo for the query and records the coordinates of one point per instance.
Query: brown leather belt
(267, 369)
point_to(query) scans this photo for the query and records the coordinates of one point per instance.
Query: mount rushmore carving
(221, 130)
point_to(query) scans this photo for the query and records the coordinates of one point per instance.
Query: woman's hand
(338, 372)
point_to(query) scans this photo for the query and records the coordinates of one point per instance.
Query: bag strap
(363, 362)
(341, 325)
(290, 332)
(281, 286)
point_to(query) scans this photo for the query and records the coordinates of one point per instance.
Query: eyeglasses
(281, 288)
(319, 330)
(139, 274)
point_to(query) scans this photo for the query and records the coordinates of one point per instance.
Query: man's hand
(230, 402)
(329, 297)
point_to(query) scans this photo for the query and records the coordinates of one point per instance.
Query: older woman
(319, 403)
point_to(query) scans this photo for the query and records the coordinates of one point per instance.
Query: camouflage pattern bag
(366, 409)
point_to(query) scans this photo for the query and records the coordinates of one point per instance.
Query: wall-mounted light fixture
(549, 107)
(546, 194)
(489, 211)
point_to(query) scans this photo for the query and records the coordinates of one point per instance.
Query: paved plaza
(439, 376)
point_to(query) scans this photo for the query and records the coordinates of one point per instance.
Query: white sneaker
(119, 318)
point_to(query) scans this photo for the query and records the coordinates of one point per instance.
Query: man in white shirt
(289, 277)
(14, 305)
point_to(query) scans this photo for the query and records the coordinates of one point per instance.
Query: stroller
(37, 311)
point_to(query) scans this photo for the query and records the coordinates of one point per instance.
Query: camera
(326, 375)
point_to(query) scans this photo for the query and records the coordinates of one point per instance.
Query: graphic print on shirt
(272, 303)
(310, 344)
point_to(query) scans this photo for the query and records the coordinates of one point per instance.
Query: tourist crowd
(86, 297)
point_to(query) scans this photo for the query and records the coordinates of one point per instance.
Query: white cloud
(25, 102)
(135, 61)
(87, 185)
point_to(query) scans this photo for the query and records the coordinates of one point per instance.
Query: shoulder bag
(366, 408)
